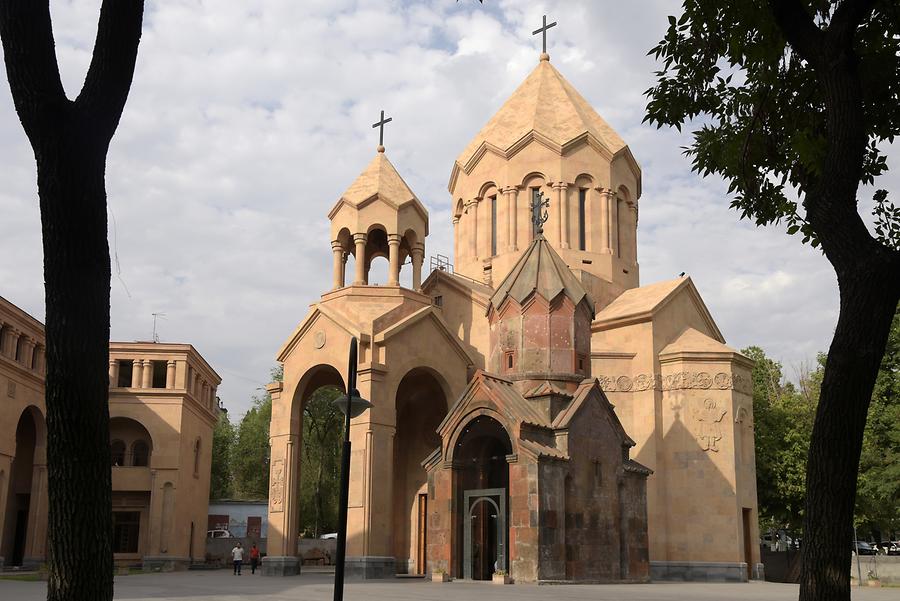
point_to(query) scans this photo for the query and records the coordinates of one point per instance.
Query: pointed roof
(382, 178)
(539, 270)
(549, 105)
(696, 341)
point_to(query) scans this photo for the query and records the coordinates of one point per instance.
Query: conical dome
(382, 178)
(548, 105)
(540, 270)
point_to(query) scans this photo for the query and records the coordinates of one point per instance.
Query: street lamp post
(351, 405)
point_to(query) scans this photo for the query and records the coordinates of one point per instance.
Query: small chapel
(536, 411)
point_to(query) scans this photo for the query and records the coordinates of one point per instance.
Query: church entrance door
(485, 533)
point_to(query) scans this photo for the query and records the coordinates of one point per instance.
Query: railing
(442, 263)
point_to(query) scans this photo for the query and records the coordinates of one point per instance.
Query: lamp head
(357, 404)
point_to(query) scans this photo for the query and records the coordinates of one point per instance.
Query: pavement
(317, 586)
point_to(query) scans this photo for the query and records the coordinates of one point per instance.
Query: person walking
(237, 556)
(254, 558)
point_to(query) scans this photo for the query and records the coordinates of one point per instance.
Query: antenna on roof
(155, 317)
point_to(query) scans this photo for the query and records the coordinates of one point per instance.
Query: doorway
(748, 543)
(485, 533)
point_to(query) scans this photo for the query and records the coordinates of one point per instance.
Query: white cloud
(247, 120)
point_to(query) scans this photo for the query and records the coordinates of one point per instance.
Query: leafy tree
(250, 458)
(70, 140)
(221, 481)
(878, 499)
(323, 428)
(792, 101)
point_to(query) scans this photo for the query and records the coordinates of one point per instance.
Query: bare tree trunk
(70, 142)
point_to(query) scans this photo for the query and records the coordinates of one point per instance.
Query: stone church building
(536, 410)
(162, 409)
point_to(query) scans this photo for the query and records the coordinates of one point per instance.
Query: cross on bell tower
(380, 126)
(543, 32)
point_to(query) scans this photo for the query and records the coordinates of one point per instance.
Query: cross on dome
(380, 126)
(543, 32)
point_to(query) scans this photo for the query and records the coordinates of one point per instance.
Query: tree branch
(798, 27)
(109, 77)
(31, 66)
(848, 16)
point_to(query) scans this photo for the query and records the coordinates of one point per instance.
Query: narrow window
(20, 349)
(140, 454)
(582, 196)
(159, 374)
(598, 474)
(439, 301)
(494, 225)
(535, 200)
(510, 360)
(197, 458)
(126, 368)
(126, 531)
(117, 453)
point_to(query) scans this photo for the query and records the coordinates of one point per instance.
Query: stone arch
(421, 402)
(129, 432)
(117, 452)
(485, 187)
(26, 493)
(458, 209)
(530, 179)
(456, 435)
(316, 377)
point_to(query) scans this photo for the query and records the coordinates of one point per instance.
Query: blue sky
(247, 120)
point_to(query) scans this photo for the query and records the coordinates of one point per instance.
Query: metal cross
(380, 126)
(539, 218)
(543, 31)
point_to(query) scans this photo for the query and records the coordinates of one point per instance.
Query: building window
(197, 458)
(510, 360)
(535, 199)
(117, 453)
(439, 301)
(126, 369)
(140, 454)
(126, 531)
(494, 225)
(598, 474)
(582, 197)
(159, 374)
(20, 349)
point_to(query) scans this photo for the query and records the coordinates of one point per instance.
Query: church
(537, 412)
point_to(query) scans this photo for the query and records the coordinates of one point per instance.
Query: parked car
(887, 547)
(328, 536)
(218, 533)
(862, 547)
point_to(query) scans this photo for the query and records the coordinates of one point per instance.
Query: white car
(330, 535)
(218, 533)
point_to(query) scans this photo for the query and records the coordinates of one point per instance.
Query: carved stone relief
(11, 389)
(684, 380)
(276, 495)
(709, 418)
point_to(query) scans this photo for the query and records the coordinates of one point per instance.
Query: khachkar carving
(276, 495)
(710, 418)
(683, 380)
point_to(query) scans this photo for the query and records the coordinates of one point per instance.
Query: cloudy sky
(247, 120)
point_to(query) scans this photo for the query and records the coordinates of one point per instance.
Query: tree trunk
(77, 274)
(869, 297)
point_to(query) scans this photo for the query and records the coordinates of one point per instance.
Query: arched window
(197, 458)
(140, 454)
(117, 452)
(582, 230)
(494, 225)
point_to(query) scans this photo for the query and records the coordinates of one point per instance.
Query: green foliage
(221, 485)
(320, 475)
(878, 494)
(250, 456)
(759, 109)
(783, 417)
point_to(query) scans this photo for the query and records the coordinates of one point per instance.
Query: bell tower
(378, 216)
(547, 141)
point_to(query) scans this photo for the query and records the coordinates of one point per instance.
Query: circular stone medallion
(319, 339)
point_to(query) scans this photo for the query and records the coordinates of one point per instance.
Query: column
(513, 212)
(613, 223)
(473, 241)
(284, 475)
(456, 234)
(360, 241)
(605, 194)
(634, 220)
(147, 380)
(559, 192)
(418, 257)
(28, 352)
(36, 534)
(394, 260)
(170, 374)
(5, 467)
(41, 365)
(7, 335)
(113, 373)
(344, 268)
(137, 368)
(337, 250)
(566, 214)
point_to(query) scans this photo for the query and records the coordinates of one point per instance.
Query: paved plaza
(221, 584)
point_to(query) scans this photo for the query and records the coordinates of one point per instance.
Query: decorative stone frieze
(683, 380)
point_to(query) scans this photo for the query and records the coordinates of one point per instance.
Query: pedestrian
(254, 558)
(237, 556)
